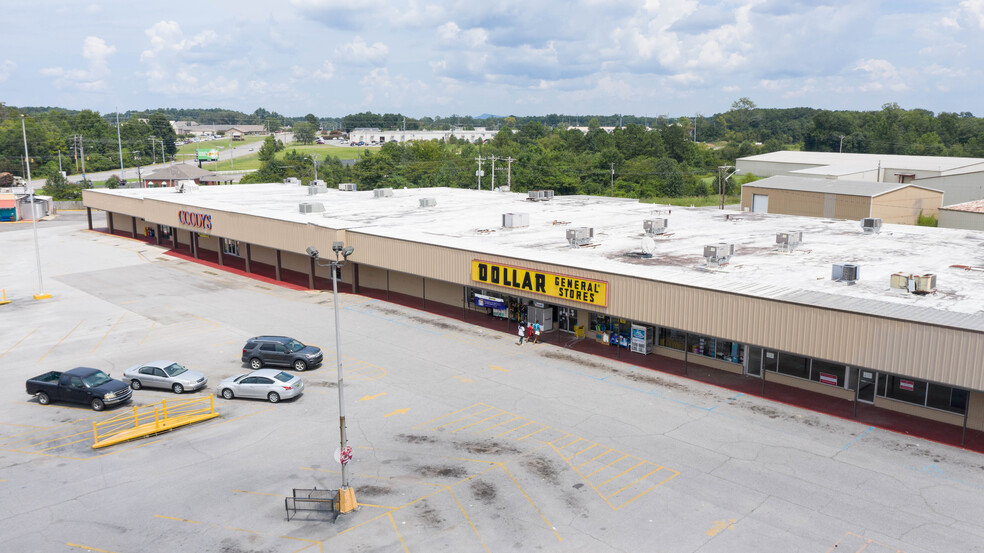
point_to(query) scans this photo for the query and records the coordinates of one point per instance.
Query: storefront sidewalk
(865, 413)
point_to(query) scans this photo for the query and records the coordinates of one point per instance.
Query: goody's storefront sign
(196, 220)
(592, 292)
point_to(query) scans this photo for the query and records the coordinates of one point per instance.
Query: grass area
(252, 161)
(187, 151)
(695, 201)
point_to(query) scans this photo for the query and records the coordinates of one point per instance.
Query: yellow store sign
(593, 292)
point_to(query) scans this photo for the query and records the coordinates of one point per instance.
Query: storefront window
(906, 389)
(673, 339)
(794, 365)
(946, 398)
(231, 247)
(701, 345)
(732, 352)
(831, 374)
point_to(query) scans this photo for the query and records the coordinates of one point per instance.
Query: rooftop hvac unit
(503, 189)
(318, 182)
(788, 240)
(382, 193)
(515, 220)
(579, 236)
(900, 281)
(292, 180)
(546, 195)
(924, 284)
(535, 195)
(655, 226)
(311, 207)
(871, 225)
(846, 272)
(346, 186)
(719, 254)
(428, 202)
(317, 189)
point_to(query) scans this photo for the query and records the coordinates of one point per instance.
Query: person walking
(522, 332)
(536, 332)
(529, 332)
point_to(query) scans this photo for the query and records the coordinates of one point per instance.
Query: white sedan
(164, 374)
(270, 384)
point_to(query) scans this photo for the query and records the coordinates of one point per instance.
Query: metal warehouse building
(841, 199)
(901, 327)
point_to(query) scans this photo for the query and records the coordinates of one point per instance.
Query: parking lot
(463, 441)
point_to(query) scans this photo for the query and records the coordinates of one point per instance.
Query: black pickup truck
(79, 385)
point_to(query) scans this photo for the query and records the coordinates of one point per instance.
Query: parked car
(280, 351)
(271, 384)
(79, 385)
(164, 374)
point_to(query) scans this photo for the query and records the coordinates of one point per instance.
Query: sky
(507, 57)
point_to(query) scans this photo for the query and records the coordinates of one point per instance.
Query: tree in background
(304, 132)
(163, 131)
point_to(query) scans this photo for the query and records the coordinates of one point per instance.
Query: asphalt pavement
(462, 440)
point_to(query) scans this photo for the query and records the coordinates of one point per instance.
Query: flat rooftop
(472, 220)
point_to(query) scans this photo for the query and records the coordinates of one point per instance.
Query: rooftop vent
(719, 254)
(428, 202)
(292, 180)
(515, 220)
(655, 226)
(846, 272)
(579, 236)
(901, 281)
(347, 186)
(871, 225)
(311, 207)
(787, 241)
(382, 193)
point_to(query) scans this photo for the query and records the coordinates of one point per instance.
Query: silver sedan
(164, 374)
(271, 384)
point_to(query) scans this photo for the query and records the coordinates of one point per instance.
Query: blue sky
(520, 57)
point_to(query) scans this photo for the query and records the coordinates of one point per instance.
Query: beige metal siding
(809, 204)
(904, 206)
(924, 412)
(403, 283)
(809, 385)
(372, 277)
(444, 292)
(961, 219)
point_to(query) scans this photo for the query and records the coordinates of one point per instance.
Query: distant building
(841, 199)
(961, 179)
(968, 215)
(194, 129)
(370, 135)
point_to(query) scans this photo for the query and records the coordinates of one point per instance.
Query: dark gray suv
(280, 351)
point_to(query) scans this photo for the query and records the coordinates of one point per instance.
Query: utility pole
(153, 151)
(479, 172)
(119, 142)
(82, 147)
(59, 161)
(840, 149)
(721, 180)
(75, 151)
(613, 179)
(509, 161)
(492, 187)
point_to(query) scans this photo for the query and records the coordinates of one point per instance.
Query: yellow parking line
(464, 418)
(633, 467)
(570, 444)
(107, 332)
(634, 482)
(665, 480)
(19, 341)
(397, 530)
(88, 548)
(62, 340)
(591, 459)
(152, 325)
(500, 424)
(531, 433)
(178, 519)
(499, 414)
(606, 466)
(513, 429)
(530, 500)
(61, 445)
(447, 415)
(468, 518)
(55, 439)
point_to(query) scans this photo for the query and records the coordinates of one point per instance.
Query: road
(131, 173)
(463, 440)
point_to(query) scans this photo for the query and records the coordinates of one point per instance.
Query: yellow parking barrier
(152, 419)
(5, 300)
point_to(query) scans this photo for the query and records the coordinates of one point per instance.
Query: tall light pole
(346, 495)
(34, 217)
(119, 142)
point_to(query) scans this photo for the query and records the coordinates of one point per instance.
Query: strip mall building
(587, 266)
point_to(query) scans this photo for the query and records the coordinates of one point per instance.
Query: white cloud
(969, 10)
(326, 71)
(360, 52)
(7, 68)
(96, 53)
(882, 74)
(167, 36)
(176, 64)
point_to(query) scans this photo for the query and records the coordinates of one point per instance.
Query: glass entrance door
(866, 385)
(753, 361)
(566, 318)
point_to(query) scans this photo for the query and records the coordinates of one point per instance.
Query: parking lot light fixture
(346, 495)
(41, 295)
